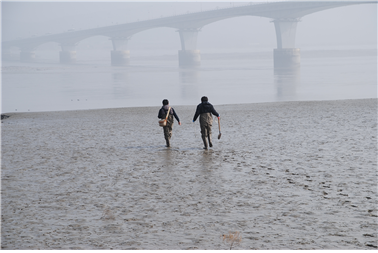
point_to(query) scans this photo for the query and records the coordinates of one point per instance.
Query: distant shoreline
(9, 114)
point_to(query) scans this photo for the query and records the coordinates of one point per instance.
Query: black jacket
(205, 107)
(163, 112)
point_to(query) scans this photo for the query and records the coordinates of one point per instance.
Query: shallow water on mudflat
(226, 77)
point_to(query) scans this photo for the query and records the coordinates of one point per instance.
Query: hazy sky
(350, 25)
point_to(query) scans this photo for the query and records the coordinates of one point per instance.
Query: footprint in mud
(371, 244)
(112, 228)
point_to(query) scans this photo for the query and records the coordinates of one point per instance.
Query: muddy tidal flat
(288, 175)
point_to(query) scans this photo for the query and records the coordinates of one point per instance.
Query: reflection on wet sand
(120, 85)
(189, 79)
(119, 77)
(189, 75)
(286, 82)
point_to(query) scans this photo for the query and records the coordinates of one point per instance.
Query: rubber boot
(168, 144)
(210, 143)
(204, 142)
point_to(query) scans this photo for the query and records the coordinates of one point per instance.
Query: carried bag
(163, 122)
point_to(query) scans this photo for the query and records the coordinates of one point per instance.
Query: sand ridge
(289, 175)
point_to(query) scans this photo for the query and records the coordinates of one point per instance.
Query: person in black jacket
(168, 128)
(205, 111)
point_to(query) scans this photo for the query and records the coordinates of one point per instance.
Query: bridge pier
(189, 58)
(67, 57)
(68, 53)
(27, 56)
(120, 56)
(286, 56)
(189, 55)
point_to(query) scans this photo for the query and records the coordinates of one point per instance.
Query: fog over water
(338, 58)
(286, 175)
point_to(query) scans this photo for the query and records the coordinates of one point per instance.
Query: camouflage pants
(167, 132)
(168, 129)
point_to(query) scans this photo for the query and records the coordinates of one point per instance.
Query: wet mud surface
(292, 175)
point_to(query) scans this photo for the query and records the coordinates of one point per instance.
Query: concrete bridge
(284, 15)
